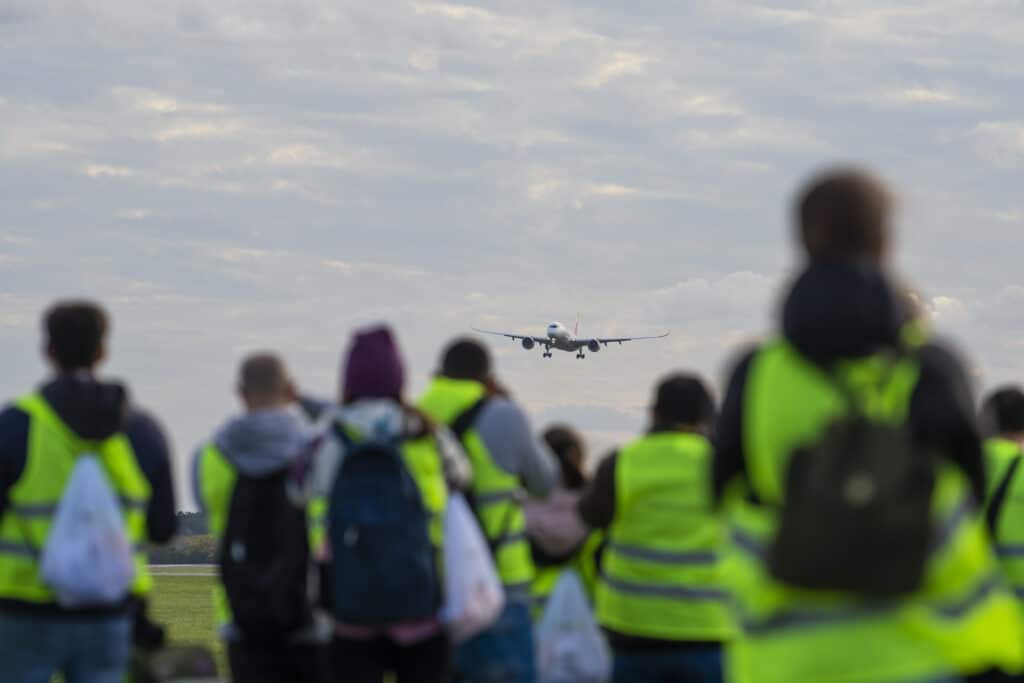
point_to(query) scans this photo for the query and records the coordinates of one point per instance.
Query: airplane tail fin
(576, 328)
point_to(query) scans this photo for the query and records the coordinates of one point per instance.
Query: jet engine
(594, 346)
(527, 343)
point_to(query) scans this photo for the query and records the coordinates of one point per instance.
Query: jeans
(85, 649)
(502, 653)
(277, 662)
(690, 665)
(362, 661)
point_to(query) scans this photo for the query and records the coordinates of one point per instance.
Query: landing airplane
(559, 338)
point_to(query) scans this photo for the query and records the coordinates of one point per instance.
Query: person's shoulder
(145, 433)
(13, 425)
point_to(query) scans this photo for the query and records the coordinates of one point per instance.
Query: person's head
(264, 383)
(844, 215)
(466, 359)
(76, 333)
(373, 367)
(683, 403)
(1002, 413)
(567, 445)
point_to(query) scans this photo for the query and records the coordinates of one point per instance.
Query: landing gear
(580, 356)
(547, 354)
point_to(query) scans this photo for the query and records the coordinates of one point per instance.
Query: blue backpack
(384, 565)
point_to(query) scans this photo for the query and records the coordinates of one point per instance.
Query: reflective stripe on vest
(34, 497)
(494, 490)
(661, 573)
(1009, 531)
(962, 621)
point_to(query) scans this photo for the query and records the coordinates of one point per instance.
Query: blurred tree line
(192, 545)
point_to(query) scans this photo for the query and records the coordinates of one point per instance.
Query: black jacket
(96, 410)
(836, 311)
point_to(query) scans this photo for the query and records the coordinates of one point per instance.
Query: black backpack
(857, 511)
(264, 560)
(384, 565)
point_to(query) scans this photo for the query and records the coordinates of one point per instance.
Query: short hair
(466, 359)
(683, 399)
(75, 332)
(844, 215)
(1003, 411)
(263, 375)
(567, 445)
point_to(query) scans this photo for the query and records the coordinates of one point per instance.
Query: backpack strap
(464, 422)
(999, 497)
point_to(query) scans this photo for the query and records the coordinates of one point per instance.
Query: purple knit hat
(373, 368)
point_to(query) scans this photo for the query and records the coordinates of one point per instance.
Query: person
(505, 457)
(559, 540)
(372, 414)
(848, 343)
(259, 444)
(1002, 416)
(40, 435)
(661, 596)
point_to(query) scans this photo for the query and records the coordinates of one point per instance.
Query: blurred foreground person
(1002, 417)
(261, 602)
(559, 539)
(851, 468)
(43, 439)
(660, 595)
(384, 472)
(505, 457)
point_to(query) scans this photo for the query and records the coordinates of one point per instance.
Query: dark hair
(263, 374)
(1003, 411)
(844, 215)
(75, 332)
(466, 359)
(682, 399)
(567, 446)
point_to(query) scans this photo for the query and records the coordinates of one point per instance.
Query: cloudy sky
(228, 175)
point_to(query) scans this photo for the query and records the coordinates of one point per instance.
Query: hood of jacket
(263, 441)
(92, 409)
(842, 310)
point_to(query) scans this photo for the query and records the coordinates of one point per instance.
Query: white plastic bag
(87, 559)
(474, 596)
(570, 645)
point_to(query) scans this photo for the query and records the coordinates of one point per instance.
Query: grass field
(182, 602)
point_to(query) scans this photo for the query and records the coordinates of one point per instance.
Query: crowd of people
(846, 514)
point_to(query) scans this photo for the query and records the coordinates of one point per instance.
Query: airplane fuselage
(561, 338)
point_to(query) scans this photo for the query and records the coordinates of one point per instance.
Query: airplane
(559, 338)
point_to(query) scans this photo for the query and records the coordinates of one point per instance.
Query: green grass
(184, 605)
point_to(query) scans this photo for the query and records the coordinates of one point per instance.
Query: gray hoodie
(259, 442)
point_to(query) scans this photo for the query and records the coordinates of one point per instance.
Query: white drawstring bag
(87, 558)
(570, 645)
(474, 596)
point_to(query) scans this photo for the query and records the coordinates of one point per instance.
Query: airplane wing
(510, 335)
(618, 340)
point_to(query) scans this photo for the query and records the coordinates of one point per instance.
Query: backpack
(384, 565)
(857, 510)
(264, 559)
(87, 558)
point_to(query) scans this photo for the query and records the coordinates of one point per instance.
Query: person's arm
(729, 457)
(13, 450)
(597, 504)
(505, 430)
(154, 458)
(942, 414)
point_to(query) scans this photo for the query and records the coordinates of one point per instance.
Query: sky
(236, 175)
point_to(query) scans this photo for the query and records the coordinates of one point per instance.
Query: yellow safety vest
(661, 573)
(1009, 530)
(494, 490)
(32, 501)
(963, 619)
